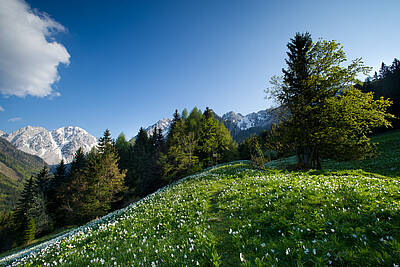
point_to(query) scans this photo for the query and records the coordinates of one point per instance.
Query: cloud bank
(1, 109)
(29, 55)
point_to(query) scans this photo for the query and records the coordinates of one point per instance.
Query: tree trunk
(308, 156)
(317, 159)
(300, 157)
(305, 157)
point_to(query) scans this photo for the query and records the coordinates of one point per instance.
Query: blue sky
(127, 64)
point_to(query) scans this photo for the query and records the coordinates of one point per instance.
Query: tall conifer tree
(70, 193)
(53, 200)
(103, 181)
(208, 143)
(22, 212)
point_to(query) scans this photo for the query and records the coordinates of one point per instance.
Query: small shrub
(256, 154)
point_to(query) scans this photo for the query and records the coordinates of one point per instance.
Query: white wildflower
(241, 257)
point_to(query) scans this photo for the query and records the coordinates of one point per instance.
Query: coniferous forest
(386, 84)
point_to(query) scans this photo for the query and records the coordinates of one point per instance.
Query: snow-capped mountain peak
(162, 124)
(232, 117)
(69, 139)
(253, 120)
(52, 146)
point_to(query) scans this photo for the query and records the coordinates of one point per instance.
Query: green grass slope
(15, 167)
(385, 163)
(233, 215)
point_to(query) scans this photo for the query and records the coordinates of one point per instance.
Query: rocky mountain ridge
(62, 143)
(162, 124)
(51, 146)
(238, 125)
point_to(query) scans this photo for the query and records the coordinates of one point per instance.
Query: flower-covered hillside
(232, 215)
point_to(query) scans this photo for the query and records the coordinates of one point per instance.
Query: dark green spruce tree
(22, 215)
(176, 119)
(386, 84)
(53, 200)
(155, 181)
(71, 192)
(141, 163)
(106, 143)
(103, 181)
(39, 211)
(31, 212)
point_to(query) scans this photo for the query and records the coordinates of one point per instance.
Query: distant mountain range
(51, 146)
(240, 127)
(15, 167)
(25, 151)
(62, 143)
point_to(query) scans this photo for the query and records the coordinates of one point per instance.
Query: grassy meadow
(234, 215)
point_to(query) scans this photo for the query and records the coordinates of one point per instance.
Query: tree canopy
(386, 83)
(325, 114)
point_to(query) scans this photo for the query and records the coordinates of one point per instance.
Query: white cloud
(54, 94)
(1, 109)
(29, 55)
(15, 119)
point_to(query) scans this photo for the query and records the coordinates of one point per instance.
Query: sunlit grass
(233, 215)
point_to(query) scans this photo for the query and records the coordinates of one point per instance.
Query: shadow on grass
(386, 162)
(38, 241)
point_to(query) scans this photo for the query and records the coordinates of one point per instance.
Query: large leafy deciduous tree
(195, 141)
(326, 116)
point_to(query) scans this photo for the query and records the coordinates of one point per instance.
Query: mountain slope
(54, 145)
(233, 215)
(15, 167)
